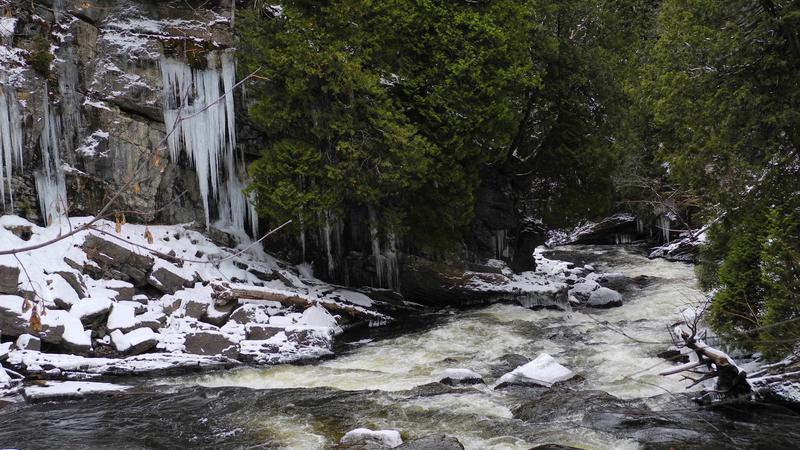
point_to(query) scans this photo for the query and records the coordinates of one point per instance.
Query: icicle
(326, 233)
(50, 181)
(663, 225)
(376, 247)
(392, 267)
(10, 141)
(200, 119)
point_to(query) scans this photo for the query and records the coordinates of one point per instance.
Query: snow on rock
(543, 371)
(604, 297)
(62, 390)
(454, 377)
(134, 342)
(89, 309)
(28, 342)
(366, 437)
(319, 317)
(122, 316)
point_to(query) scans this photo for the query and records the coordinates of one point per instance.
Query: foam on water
(614, 350)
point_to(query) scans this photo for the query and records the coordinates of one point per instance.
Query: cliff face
(139, 97)
(86, 88)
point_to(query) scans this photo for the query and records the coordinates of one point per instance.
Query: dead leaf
(36, 321)
(148, 235)
(137, 188)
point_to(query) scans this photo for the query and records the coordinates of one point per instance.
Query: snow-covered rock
(604, 298)
(583, 289)
(134, 342)
(28, 342)
(62, 390)
(366, 437)
(542, 371)
(122, 317)
(210, 343)
(88, 310)
(455, 377)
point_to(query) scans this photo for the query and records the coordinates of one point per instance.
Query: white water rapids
(614, 350)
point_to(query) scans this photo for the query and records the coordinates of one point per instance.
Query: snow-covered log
(224, 294)
(731, 379)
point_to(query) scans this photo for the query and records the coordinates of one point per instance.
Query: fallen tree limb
(731, 379)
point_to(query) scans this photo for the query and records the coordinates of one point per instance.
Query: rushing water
(385, 384)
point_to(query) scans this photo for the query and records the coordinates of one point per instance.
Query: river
(386, 382)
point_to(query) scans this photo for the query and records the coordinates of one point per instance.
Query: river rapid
(387, 381)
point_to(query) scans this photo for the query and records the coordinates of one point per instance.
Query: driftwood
(224, 294)
(731, 379)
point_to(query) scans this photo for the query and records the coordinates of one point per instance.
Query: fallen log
(224, 294)
(731, 379)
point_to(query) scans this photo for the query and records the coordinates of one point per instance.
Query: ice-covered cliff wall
(85, 88)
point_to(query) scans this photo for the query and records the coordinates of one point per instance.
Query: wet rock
(604, 298)
(210, 343)
(167, 279)
(433, 442)
(654, 430)
(28, 342)
(107, 254)
(507, 363)
(549, 405)
(455, 377)
(9, 279)
(428, 390)
(554, 447)
(366, 439)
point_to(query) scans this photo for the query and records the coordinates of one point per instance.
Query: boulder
(604, 298)
(168, 278)
(218, 315)
(9, 279)
(454, 377)
(137, 341)
(122, 317)
(210, 343)
(91, 311)
(432, 442)
(255, 313)
(542, 371)
(14, 322)
(583, 288)
(195, 308)
(259, 332)
(108, 254)
(75, 280)
(364, 438)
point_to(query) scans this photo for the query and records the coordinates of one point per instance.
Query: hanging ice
(50, 181)
(10, 141)
(200, 119)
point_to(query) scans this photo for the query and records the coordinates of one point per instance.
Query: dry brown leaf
(137, 188)
(36, 321)
(148, 235)
(26, 304)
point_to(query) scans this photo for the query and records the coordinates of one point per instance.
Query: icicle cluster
(51, 184)
(387, 270)
(10, 141)
(200, 120)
